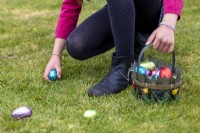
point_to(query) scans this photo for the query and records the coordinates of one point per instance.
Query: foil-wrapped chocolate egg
(134, 86)
(148, 65)
(153, 72)
(148, 73)
(52, 75)
(142, 70)
(165, 72)
(22, 112)
(155, 76)
(157, 72)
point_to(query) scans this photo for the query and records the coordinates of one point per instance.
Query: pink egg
(153, 72)
(157, 72)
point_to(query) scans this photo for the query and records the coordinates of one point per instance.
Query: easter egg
(148, 65)
(90, 113)
(21, 112)
(165, 72)
(142, 70)
(155, 74)
(134, 86)
(148, 73)
(52, 75)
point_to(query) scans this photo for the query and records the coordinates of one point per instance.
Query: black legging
(114, 25)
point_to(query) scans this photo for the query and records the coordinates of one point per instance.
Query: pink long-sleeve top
(71, 9)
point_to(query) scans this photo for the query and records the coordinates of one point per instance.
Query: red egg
(134, 86)
(165, 71)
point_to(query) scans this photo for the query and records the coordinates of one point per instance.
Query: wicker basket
(156, 89)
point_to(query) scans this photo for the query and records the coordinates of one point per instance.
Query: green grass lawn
(26, 41)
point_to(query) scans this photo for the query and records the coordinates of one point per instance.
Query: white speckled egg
(22, 112)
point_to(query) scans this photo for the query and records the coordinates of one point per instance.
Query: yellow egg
(174, 92)
(145, 90)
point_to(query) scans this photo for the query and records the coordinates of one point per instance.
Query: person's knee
(75, 49)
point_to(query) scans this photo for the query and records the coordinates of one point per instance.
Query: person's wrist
(56, 55)
(170, 19)
(168, 25)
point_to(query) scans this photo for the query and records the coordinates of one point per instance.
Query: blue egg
(142, 70)
(52, 75)
(155, 76)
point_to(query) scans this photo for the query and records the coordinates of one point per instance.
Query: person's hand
(162, 39)
(54, 63)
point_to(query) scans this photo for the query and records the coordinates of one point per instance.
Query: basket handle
(142, 52)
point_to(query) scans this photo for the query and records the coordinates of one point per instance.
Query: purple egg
(22, 112)
(148, 73)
